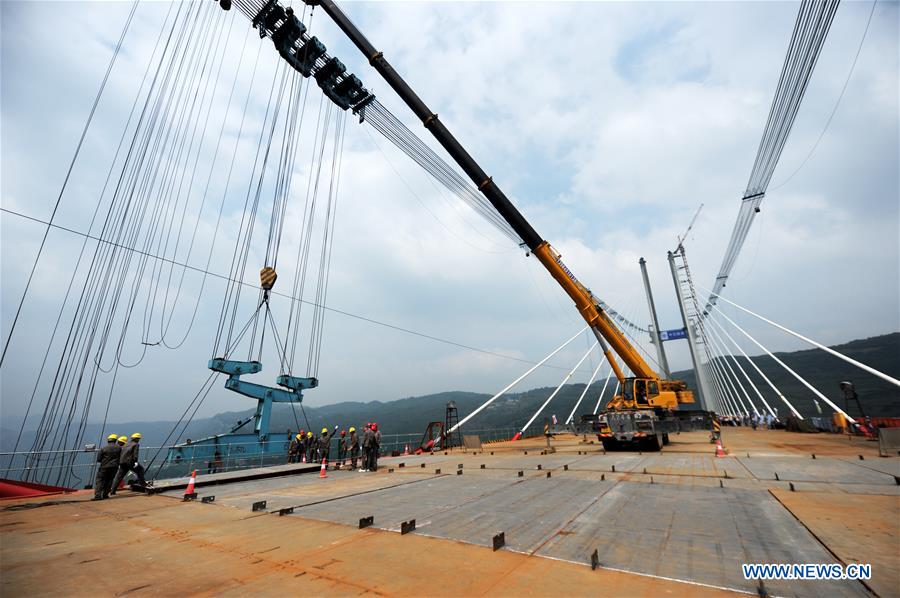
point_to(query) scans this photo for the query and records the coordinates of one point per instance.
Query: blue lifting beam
(265, 395)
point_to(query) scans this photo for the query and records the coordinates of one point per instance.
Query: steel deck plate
(800, 469)
(694, 533)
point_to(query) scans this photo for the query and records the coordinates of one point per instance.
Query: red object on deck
(428, 446)
(518, 436)
(16, 489)
(189, 491)
(720, 452)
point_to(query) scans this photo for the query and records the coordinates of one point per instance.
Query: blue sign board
(671, 335)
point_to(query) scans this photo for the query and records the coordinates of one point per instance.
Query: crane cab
(650, 393)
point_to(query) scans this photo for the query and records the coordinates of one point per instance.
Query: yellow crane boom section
(594, 315)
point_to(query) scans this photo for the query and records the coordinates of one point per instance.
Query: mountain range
(412, 414)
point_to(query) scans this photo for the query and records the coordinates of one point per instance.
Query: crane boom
(607, 333)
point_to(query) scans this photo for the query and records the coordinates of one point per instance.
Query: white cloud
(607, 123)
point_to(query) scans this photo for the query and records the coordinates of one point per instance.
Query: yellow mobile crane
(647, 408)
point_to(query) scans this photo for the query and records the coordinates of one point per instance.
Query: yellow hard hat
(324, 430)
(309, 434)
(299, 436)
(136, 435)
(123, 439)
(112, 437)
(352, 429)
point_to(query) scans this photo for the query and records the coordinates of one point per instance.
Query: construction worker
(368, 440)
(129, 461)
(121, 444)
(354, 447)
(310, 448)
(342, 449)
(324, 445)
(376, 447)
(108, 458)
(301, 446)
(294, 449)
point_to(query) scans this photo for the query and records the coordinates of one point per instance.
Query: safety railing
(77, 468)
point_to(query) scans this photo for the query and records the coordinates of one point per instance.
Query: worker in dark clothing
(108, 458)
(310, 448)
(367, 440)
(121, 442)
(294, 449)
(353, 443)
(324, 445)
(376, 446)
(342, 449)
(129, 461)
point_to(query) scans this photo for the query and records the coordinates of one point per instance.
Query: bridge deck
(678, 522)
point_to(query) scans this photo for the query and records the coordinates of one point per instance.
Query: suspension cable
(818, 345)
(514, 382)
(562, 382)
(756, 367)
(586, 387)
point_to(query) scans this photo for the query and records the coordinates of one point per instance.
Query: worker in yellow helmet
(108, 459)
(120, 442)
(353, 445)
(301, 447)
(324, 444)
(310, 447)
(130, 461)
(294, 449)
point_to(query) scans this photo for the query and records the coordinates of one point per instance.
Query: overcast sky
(608, 124)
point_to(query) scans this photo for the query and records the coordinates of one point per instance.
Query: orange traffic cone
(189, 493)
(406, 450)
(303, 458)
(322, 473)
(720, 452)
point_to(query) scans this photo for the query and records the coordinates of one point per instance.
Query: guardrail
(77, 468)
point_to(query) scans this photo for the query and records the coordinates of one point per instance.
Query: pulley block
(267, 278)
